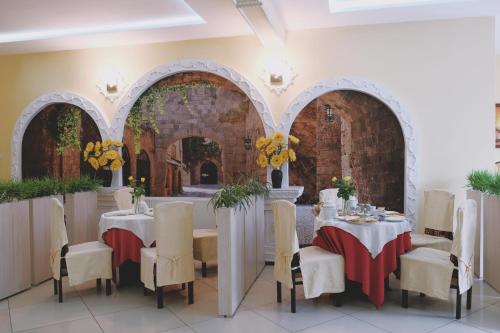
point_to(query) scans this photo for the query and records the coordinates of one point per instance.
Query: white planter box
(491, 234)
(39, 213)
(81, 217)
(15, 268)
(203, 213)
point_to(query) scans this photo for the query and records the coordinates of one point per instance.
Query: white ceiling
(47, 25)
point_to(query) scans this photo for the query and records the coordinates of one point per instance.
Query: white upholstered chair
(123, 198)
(320, 271)
(80, 262)
(171, 261)
(205, 247)
(438, 221)
(432, 272)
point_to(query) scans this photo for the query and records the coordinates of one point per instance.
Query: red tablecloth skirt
(126, 245)
(359, 265)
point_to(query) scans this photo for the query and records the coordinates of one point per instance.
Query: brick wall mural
(364, 141)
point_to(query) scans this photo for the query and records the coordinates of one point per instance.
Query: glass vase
(347, 209)
(137, 205)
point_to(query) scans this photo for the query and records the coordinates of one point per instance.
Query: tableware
(399, 218)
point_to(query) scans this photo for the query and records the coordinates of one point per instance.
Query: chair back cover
(174, 243)
(287, 243)
(123, 198)
(58, 236)
(328, 195)
(438, 210)
(463, 243)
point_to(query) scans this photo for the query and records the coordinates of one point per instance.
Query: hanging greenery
(152, 103)
(69, 122)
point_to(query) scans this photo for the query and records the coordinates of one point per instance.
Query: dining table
(371, 249)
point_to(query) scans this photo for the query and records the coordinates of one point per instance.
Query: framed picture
(497, 126)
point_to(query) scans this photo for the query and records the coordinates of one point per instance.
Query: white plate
(395, 218)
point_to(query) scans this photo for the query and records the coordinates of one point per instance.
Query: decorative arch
(403, 116)
(38, 105)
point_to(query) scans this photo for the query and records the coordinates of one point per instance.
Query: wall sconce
(277, 74)
(111, 85)
(329, 115)
(247, 142)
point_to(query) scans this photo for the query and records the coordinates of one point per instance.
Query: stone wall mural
(364, 141)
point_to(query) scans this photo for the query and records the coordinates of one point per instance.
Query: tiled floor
(128, 310)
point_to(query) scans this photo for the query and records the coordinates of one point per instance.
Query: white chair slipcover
(438, 215)
(205, 244)
(123, 198)
(429, 270)
(173, 254)
(322, 271)
(85, 261)
(329, 195)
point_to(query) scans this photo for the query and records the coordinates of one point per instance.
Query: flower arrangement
(274, 151)
(104, 155)
(137, 187)
(346, 187)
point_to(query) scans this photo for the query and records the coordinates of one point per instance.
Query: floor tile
(145, 320)
(487, 319)
(205, 307)
(268, 274)
(309, 313)
(184, 329)
(456, 327)
(242, 322)
(5, 321)
(4, 304)
(263, 293)
(88, 325)
(345, 324)
(47, 313)
(42, 293)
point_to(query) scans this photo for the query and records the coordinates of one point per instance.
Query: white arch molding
(370, 88)
(38, 105)
(180, 66)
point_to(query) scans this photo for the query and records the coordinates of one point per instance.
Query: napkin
(119, 213)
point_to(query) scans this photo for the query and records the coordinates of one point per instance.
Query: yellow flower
(97, 153)
(347, 178)
(102, 160)
(143, 179)
(106, 143)
(85, 155)
(90, 146)
(260, 142)
(293, 139)
(262, 160)
(115, 165)
(276, 161)
(284, 156)
(291, 155)
(130, 178)
(111, 154)
(270, 149)
(334, 179)
(94, 163)
(117, 143)
(278, 137)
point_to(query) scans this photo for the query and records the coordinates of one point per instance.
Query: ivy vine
(69, 122)
(151, 103)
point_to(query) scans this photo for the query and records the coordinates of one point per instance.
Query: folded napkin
(124, 212)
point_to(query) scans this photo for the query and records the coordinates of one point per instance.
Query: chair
(171, 261)
(81, 262)
(438, 221)
(432, 272)
(320, 271)
(123, 199)
(205, 247)
(329, 195)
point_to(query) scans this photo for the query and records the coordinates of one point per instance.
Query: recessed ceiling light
(338, 6)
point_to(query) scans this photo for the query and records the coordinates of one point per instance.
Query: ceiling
(48, 25)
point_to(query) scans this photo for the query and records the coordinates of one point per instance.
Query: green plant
(83, 184)
(137, 187)
(238, 195)
(346, 187)
(151, 103)
(484, 181)
(69, 122)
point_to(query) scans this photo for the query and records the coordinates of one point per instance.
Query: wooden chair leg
(145, 291)
(404, 298)
(55, 286)
(293, 295)
(98, 285)
(183, 286)
(338, 299)
(278, 291)
(59, 282)
(159, 297)
(422, 295)
(387, 287)
(190, 292)
(204, 269)
(108, 287)
(469, 298)
(458, 314)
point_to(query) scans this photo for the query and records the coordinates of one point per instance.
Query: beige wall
(497, 92)
(441, 71)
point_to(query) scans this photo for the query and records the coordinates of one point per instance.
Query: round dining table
(371, 250)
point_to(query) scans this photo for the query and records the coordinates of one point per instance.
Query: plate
(400, 218)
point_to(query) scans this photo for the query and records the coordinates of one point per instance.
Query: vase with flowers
(274, 152)
(346, 191)
(104, 155)
(138, 191)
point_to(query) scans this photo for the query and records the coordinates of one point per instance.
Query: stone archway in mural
(208, 173)
(403, 118)
(40, 104)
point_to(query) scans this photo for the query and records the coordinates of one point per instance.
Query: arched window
(143, 170)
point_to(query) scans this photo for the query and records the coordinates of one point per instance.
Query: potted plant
(275, 152)
(346, 190)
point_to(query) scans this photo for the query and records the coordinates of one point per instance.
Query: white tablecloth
(141, 225)
(373, 235)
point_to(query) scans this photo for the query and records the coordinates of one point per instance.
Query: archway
(126, 169)
(403, 117)
(208, 173)
(144, 170)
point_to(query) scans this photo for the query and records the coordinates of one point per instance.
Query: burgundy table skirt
(359, 264)
(126, 245)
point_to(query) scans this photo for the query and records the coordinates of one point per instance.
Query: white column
(290, 193)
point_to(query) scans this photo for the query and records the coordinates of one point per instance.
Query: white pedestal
(290, 193)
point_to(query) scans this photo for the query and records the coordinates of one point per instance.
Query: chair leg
(458, 314)
(108, 287)
(204, 269)
(469, 298)
(404, 298)
(387, 287)
(183, 286)
(145, 291)
(98, 285)
(278, 291)
(292, 294)
(55, 286)
(422, 295)
(190, 292)
(159, 297)
(59, 282)
(338, 299)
